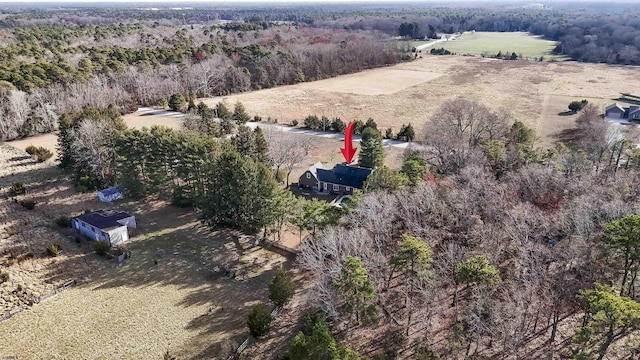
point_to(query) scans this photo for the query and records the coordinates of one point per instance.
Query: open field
(194, 299)
(490, 43)
(533, 92)
(373, 82)
(136, 121)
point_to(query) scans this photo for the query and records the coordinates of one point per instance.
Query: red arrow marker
(348, 151)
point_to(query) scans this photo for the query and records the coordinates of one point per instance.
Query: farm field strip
(490, 43)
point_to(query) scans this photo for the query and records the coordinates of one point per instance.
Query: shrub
(179, 198)
(42, 154)
(257, 118)
(4, 277)
(54, 249)
(63, 221)
(294, 122)
(392, 342)
(17, 189)
(86, 183)
(101, 247)
(281, 288)
(280, 175)
(259, 321)
(28, 204)
(31, 150)
(576, 106)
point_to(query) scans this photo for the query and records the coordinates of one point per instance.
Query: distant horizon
(228, 2)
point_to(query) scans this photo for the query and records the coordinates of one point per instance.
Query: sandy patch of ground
(138, 121)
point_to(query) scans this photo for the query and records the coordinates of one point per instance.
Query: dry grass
(517, 85)
(411, 92)
(185, 303)
(373, 82)
(135, 121)
(23, 232)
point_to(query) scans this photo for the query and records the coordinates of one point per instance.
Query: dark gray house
(617, 112)
(310, 177)
(342, 179)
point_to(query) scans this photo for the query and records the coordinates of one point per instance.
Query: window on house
(348, 188)
(336, 187)
(308, 176)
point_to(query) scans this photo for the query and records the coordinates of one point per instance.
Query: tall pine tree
(372, 152)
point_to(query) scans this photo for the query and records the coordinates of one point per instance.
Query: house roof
(634, 109)
(614, 105)
(104, 220)
(111, 191)
(345, 175)
(313, 169)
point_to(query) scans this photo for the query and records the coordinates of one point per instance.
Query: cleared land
(490, 43)
(533, 92)
(373, 82)
(185, 303)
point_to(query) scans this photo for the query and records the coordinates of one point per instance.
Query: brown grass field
(182, 304)
(534, 92)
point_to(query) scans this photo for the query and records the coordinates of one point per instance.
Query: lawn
(186, 290)
(490, 43)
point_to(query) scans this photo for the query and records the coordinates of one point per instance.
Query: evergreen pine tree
(244, 141)
(372, 152)
(177, 102)
(281, 288)
(240, 115)
(357, 289)
(261, 148)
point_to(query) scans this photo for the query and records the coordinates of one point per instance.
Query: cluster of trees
(500, 242)
(576, 105)
(48, 70)
(507, 56)
(323, 123)
(23, 114)
(208, 60)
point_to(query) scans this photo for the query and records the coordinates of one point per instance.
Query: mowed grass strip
(490, 43)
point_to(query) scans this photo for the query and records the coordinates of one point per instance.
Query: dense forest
(496, 251)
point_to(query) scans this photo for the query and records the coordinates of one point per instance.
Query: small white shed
(108, 226)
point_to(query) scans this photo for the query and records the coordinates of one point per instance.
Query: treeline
(596, 33)
(603, 36)
(496, 247)
(323, 123)
(231, 180)
(285, 55)
(53, 71)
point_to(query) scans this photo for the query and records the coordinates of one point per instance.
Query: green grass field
(490, 43)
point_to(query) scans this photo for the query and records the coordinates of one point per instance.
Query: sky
(168, 3)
